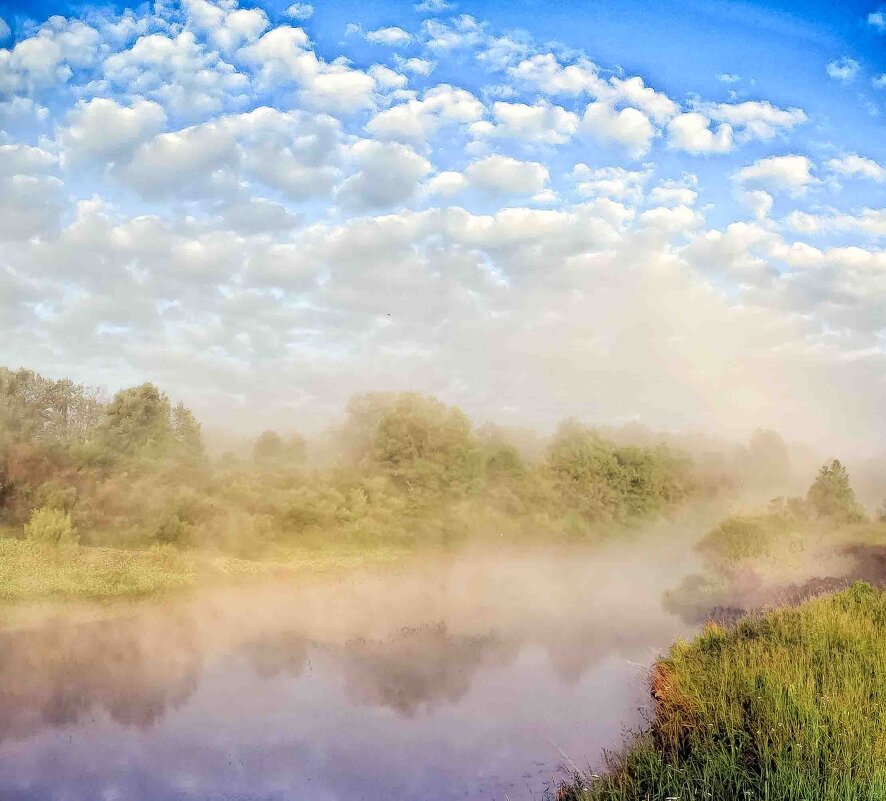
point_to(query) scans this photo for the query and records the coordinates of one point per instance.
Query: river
(478, 675)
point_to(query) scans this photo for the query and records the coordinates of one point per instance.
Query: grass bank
(788, 706)
(32, 571)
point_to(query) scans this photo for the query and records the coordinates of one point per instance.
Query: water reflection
(426, 684)
(132, 669)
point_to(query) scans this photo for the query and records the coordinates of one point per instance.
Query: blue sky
(665, 212)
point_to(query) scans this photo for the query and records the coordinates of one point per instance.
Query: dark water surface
(472, 677)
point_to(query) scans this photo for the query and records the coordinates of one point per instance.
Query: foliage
(408, 470)
(606, 482)
(51, 527)
(787, 706)
(831, 495)
(272, 451)
(422, 444)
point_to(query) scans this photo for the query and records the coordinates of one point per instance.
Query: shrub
(51, 526)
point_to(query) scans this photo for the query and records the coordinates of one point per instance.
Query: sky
(669, 213)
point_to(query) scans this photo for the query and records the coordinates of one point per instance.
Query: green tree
(50, 526)
(186, 433)
(831, 495)
(421, 443)
(268, 448)
(137, 421)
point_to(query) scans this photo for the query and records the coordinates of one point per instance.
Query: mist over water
(474, 674)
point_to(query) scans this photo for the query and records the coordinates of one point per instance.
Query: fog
(482, 671)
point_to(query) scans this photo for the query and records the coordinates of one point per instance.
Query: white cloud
(177, 72)
(417, 66)
(388, 173)
(5, 30)
(880, 83)
(541, 123)
(628, 128)
(24, 160)
(391, 36)
(433, 6)
(418, 120)
(446, 183)
(546, 73)
(853, 165)
(791, 174)
(613, 182)
(49, 57)
(728, 77)
(226, 25)
(675, 192)
(283, 55)
(461, 32)
(503, 174)
(635, 92)
(871, 222)
(295, 152)
(877, 19)
(843, 69)
(756, 119)
(387, 78)
(692, 132)
(758, 201)
(299, 11)
(31, 201)
(103, 130)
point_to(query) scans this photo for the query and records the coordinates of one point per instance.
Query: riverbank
(31, 572)
(788, 705)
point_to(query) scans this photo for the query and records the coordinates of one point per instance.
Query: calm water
(471, 677)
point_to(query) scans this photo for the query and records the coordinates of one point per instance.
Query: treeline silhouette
(133, 470)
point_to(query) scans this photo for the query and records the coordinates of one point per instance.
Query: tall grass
(789, 706)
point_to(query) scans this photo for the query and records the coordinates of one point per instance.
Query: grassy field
(33, 572)
(790, 706)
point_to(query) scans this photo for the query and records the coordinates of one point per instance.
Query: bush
(51, 526)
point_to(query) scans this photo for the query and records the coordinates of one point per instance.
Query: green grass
(32, 571)
(790, 706)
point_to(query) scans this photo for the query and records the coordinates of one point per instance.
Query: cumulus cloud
(791, 174)
(754, 118)
(104, 130)
(276, 205)
(418, 120)
(299, 11)
(388, 173)
(433, 6)
(871, 222)
(391, 36)
(628, 128)
(692, 132)
(417, 66)
(545, 72)
(295, 152)
(226, 25)
(446, 183)
(461, 32)
(542, 123)
(877, 19)
(843, 69)
(178, 72)
(5, 30)
(49, 57)
(507, 175)
(855, 166)
(284, 55)
(612, 182)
